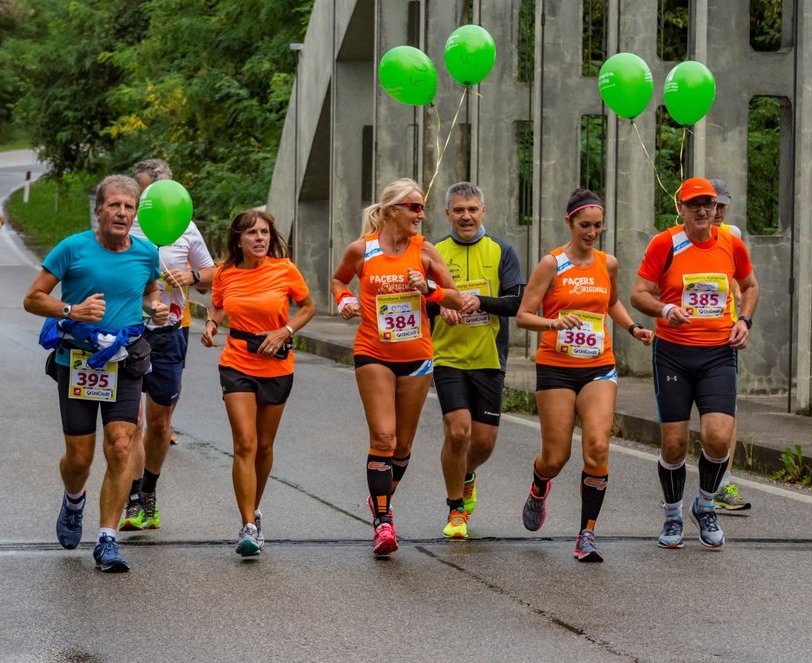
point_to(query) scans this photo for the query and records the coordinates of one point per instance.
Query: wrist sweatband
(666, 310)
(346, 301)
(341, 294)
(436, 296)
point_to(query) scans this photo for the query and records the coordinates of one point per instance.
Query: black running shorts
(269, 391)
(478, 390)
(575, 379)
(688, 374)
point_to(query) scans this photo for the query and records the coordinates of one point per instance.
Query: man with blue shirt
(108, 279)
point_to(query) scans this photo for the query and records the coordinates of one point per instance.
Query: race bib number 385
(583, 343)
(704, 295)
(398, 316)
(91, 384)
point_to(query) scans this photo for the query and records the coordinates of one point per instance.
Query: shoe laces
(586, 540)
(149, 503)
(672, 527)
(709, 520)
(733, 490)
(108, 544)
(383, 529)
(458, 517)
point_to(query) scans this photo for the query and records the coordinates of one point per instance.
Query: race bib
(398, 316)
(704, 295)
(480, 288)
(584, 343)
(90, 384)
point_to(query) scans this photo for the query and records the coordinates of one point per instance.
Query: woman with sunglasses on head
(253, 288)
(575, 286)
(398, 272)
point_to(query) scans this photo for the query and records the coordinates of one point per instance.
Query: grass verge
(55, 210)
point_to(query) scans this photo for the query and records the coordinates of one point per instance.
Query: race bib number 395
(91, 384)
(399, 316)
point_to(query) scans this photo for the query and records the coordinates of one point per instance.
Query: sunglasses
(412, 207)
(694, 206)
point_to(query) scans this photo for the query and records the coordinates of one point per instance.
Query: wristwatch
(290, 330)
(431, 287)
(195, 277)
(66, 309)
(747, 320)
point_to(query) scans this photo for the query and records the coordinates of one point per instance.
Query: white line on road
(652, 456)
(6, 236)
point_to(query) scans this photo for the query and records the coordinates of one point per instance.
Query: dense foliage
(205, 85)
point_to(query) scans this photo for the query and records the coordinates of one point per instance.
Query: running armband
(436, 296)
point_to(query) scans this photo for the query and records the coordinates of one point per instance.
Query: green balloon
(625, 84)
(688, 92)
(164, 211)
(469, 54)
(408, 75)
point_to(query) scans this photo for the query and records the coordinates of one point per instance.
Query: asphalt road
(318, 594)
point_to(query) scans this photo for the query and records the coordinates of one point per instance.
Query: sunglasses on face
(412, 207)
(694, 205)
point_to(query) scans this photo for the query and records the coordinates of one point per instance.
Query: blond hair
(374, 217)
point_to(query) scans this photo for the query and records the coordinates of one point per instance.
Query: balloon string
(166, 271)
(654, 164)
(437, 133)
(447, 140)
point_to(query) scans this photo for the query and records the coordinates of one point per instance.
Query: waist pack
(137, 362)
(253, 341)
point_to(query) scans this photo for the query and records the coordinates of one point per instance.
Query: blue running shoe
(107, 557)
(248, 545)
(671, 534)
(534, 512)
(69, 524)
(585, 548)
(710, 534)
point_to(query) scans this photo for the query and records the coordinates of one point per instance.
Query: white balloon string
(447, 140)
(654, 164)
(166, 271)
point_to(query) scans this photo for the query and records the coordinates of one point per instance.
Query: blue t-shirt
(84, 267)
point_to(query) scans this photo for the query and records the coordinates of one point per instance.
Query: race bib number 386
(91, 384)
(583, 343)
(398, 316)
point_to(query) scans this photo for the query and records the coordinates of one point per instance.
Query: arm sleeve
(217, 288)
(58, 259)
(296, 285)
(511, 286)
(506, 305)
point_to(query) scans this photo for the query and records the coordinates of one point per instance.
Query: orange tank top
(698, 280)
(394, 325)
(584, 291)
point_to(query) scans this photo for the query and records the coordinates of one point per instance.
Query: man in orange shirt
(695, 350)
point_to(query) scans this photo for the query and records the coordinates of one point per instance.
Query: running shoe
(730, 498)
(69, 524)
(258, 523)
(710, 534)
(152, 515)
(585, 548)
(133, 518)
(385, 541)
(671, 534)
(535, 509)
(107, 557)
(389, 513)
(248, 546)
(469, 495)
(457, 527)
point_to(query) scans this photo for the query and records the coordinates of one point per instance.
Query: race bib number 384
(91, 384)
(398, 316)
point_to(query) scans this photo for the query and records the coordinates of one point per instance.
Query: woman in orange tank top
(393, 352)
(576, 288)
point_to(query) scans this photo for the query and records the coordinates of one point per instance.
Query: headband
(582, 204)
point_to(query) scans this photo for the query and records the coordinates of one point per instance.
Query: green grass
(21, 143)
(42, 221)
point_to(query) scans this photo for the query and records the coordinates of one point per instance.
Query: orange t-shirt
(697, 280)
(257, 300)
(394, 325)
(584, 291)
